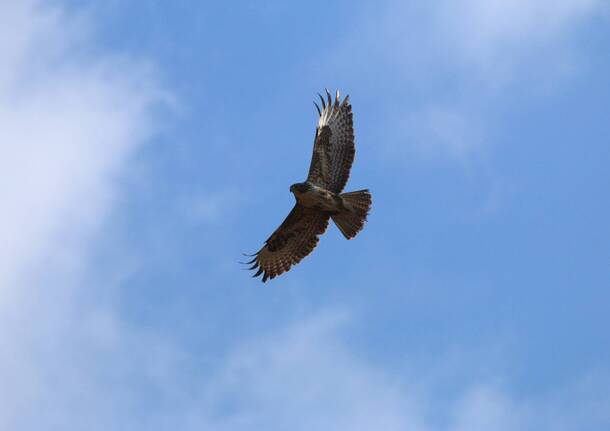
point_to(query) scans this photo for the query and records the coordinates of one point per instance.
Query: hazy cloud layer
(70, 121)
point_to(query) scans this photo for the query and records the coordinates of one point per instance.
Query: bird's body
(319, 198)
(312, 196)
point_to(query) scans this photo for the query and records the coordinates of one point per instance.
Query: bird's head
(299, 188)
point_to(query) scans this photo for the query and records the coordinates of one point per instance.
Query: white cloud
(498, 37)
(487, 42)
(491, 25)
(441, 129)
(305, 377)
(69, 122)
(484, 408)
(67, 126)
(459, 59)
(210, 207)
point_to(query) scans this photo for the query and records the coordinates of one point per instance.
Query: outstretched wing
(319, 169)
(296, 237)
(334, 148)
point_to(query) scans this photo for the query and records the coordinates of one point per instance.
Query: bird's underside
(312, 196)
(319, 198)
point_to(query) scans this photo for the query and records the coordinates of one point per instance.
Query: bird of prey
(319, 198)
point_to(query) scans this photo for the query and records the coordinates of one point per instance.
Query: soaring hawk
(319, 197)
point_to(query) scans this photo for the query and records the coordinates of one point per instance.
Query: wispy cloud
(440, 130)
(501, 33)
(486, 43)
(302, 378)
(70, 121)
(210, 207)
(456, 62)
(306, 377)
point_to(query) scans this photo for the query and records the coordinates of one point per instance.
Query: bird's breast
(318, 198)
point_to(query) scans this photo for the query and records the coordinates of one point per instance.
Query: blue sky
(147, 145)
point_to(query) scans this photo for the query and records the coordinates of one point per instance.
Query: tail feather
(351, 220)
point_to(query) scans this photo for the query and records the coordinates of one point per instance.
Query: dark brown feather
(296, 237)
(320, 167)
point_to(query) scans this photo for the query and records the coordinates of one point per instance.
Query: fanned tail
(351, 220)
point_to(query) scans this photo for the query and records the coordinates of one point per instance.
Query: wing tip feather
(322, 100)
